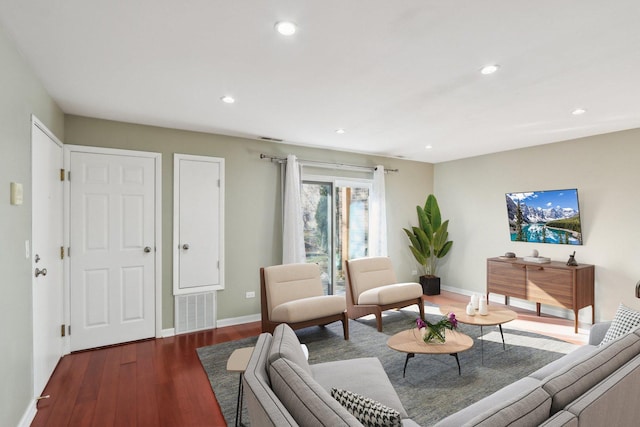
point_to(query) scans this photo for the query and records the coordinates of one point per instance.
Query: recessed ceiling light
(489, 69)
(578, 111)
(340, 131)
(428, 147)
(286, 28)
(228, 99)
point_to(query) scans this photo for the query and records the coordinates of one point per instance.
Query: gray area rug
(432, 388)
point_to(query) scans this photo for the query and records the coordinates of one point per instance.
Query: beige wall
(252, 205)
(22, 95)
(604, 169)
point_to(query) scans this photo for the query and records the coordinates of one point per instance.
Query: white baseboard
(166, 333)
(238, 320)
(583, 316)
(29, 414)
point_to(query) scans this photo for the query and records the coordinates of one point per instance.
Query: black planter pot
(430, 285)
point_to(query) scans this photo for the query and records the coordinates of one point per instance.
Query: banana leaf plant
(429, 241)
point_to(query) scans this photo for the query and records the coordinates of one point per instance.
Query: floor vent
(195, 312)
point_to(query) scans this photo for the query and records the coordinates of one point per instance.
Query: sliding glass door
(336, 225)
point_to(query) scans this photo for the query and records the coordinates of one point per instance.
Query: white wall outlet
(250, 295)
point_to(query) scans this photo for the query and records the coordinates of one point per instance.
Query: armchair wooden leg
(345, 326)
(379, 320)
(421, 307)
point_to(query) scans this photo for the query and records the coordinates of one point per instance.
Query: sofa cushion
(561, 419)
(368, 411)
(390, 294)
(308, 403)
(613, 402)
(521, 387)
(574, 380)
(301, 310)
(624, 321)
(528, 409)
(285, 344)
(364, 376)
(566, 360)
(265, 409)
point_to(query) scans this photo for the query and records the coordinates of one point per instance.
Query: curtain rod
(326, 164)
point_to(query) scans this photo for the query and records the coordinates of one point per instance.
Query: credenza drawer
(550, 286)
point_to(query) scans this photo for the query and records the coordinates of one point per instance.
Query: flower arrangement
(435, 332)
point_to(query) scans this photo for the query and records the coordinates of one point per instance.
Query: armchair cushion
(290, 282)
(308, 308)
(370, 273)
(389, 294)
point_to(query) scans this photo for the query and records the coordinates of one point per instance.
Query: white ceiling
(396, 75)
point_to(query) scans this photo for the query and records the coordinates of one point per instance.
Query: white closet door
(198, 224)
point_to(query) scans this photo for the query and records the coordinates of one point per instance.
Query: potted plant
(429, 243)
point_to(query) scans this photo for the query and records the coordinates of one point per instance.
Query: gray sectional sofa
(282, 389)
(591, 386)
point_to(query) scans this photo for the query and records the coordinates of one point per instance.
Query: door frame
(68, 149)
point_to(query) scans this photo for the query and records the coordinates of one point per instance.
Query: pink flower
(453, 320)
(420, 323)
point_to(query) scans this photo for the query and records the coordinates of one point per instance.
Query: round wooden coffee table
(497, 316)
(411, 343)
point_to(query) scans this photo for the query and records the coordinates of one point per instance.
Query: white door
(47, 223)
(112, 246)
(198, 223)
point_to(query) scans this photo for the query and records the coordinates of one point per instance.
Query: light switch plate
(16, 193)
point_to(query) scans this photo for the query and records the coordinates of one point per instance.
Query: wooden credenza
(553, 283)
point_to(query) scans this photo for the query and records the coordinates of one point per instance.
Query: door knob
(185, 246)
(147, 249)
(41, 272)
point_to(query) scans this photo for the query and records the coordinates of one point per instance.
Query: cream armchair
(372, 288)
(292, 294)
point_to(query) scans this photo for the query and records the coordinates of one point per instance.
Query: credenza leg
(538, 308)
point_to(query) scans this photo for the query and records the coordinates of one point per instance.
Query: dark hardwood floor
(160, 382)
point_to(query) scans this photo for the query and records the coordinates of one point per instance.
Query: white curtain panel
(378, 215)
(293, 227)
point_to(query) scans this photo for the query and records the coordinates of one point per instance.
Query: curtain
(293, 227)
(378, 215)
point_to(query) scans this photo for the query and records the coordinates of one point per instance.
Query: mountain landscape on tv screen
(545, 217)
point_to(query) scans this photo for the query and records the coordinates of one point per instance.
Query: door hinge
(61, 252)
(61, 174)
(62, 329)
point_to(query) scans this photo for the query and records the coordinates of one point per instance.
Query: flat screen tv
(545, 217)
